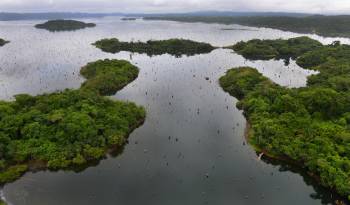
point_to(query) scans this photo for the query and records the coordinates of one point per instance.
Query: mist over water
(191, 149)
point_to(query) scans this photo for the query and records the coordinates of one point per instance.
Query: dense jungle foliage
(108, 76)
(275, 49)
(176, 47)
(328, 26)
(2, 42)
(309, 125)
(68, 129)
(64, 25)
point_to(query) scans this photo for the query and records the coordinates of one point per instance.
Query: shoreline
(3, 200)
(17, 170)
(289, 161)
(37, 166)
(254, 26)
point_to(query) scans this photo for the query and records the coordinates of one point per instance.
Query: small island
(129, 19)
(3, 42)
(309, 126)
(175, 47)
(64, 25)
(69, 129)
(103, 79)
(257, 49)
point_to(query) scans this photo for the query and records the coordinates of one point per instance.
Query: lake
(191, 148)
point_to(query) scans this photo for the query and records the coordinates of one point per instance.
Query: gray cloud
(311, 6)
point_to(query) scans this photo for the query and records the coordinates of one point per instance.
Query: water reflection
(320, 193)
(191, 149)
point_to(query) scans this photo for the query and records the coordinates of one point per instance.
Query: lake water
(191, 149)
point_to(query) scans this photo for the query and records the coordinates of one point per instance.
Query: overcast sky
(309, 6)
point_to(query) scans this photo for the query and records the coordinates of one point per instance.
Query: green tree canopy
(310, 125)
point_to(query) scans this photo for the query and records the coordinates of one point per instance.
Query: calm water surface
(191, 149)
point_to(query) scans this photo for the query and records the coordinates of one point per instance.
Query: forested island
(68, 129)
(327, 26)
(257, 49)
(128, 19)
(64, 25)
(3, 42)
(308, 126)
(176, 47)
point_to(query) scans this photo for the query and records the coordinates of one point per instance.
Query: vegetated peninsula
(176, 47)
(310, 125)
(327, 26)
(68, 129)
(3, 42)
(64, 25)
